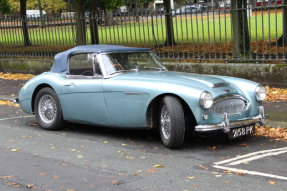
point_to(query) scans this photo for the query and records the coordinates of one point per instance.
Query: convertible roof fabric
(60, 64)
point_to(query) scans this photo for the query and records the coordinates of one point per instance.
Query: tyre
(48, 110)
(171, 122)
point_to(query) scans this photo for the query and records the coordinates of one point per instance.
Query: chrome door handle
(70, 84)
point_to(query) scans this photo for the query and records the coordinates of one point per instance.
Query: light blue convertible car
(124, 87)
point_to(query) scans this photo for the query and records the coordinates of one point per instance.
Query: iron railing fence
(221, 33)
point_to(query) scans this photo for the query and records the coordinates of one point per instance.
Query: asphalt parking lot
(83, 157)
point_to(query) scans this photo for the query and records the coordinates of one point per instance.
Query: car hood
(205, 82)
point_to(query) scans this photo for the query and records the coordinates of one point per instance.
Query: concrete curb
(8, 97)
(275, 124)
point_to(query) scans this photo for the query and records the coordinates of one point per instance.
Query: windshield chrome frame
(101, 62)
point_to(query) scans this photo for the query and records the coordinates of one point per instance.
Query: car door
(83, 90)
(126, 102)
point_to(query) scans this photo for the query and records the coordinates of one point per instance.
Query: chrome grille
(231, 106)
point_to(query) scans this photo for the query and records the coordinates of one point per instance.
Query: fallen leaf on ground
(204, 168)
(42, 173)
(114, 182)
(79, 156)
(190, 178)
(151, 170)
(158, 166)
(272, 182)
(15, 149)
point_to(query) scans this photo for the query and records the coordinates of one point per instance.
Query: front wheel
(171, 123)
(48, 109)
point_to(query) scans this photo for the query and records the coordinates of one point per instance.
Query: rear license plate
(241, 131)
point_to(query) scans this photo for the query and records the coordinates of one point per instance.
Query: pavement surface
(83, 157)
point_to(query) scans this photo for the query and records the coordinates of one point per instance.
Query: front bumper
(226, 125)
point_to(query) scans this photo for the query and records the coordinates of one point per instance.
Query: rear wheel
(171, 123)
(48, 109)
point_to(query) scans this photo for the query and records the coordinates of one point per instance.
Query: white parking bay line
(251, 172)
(17, 117)
(251, 157)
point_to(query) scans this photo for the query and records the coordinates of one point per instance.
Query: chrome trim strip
(133, 93)
(227, 96)
(226, 125)
(102, 66)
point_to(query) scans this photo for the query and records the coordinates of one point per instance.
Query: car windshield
(131, 62)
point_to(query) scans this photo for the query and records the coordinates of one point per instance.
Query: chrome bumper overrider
(15, 101)
(226, 125)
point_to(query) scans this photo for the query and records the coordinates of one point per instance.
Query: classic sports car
(125, 87)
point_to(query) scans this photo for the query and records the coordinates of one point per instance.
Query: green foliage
(5, 7)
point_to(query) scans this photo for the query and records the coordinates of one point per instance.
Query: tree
(169, 25)
(284, 35)
(240, 32)
(80, 22)
(27, 41)
(93, 22)
(5, 7)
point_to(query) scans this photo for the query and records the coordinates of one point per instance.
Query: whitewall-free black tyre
(48, 109)
(171, 122)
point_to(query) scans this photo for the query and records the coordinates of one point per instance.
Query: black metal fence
(191, 33)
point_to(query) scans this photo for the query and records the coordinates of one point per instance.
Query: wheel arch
(153, 109)
(37, 89)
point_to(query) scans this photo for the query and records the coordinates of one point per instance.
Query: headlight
(260, 93)
(206, 100)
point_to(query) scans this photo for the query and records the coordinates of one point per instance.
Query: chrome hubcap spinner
(47, 108)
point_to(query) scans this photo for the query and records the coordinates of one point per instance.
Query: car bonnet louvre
(218, 85)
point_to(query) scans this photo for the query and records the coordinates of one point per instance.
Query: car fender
(55, 81)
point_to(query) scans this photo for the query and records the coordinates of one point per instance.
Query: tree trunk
(136, 11)
(109, 18)
(169, 25)
(41, 14)
(80, 23)
(93, 22)
(240, 32)
(284, 15)
(24, 23)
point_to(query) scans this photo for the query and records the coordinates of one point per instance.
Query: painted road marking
(250, 157)
(17, 117)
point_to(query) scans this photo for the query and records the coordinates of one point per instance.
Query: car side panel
(26, 106)
(127, 109)
(114, 95)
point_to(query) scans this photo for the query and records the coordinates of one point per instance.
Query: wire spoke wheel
(165, 122)
(47, 109)
(171, 122)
